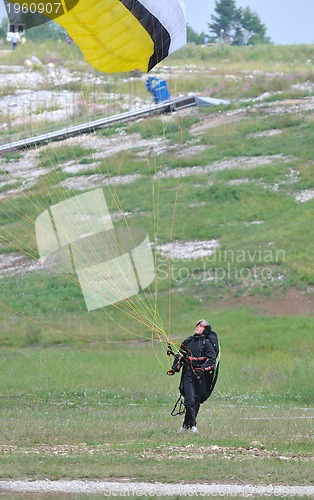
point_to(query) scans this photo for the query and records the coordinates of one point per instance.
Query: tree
(194, 37)
(4, 28)
(224, 23)
(251, 31)
(237, 26)
(50, 30)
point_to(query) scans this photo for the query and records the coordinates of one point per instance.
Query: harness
(201, 358)
(179, 408)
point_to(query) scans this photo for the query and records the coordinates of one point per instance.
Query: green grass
(117, 402)
(220, 210)
(93, 382)
(61, 154)
(287, 58)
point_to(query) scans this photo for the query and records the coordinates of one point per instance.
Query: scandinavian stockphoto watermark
(217, 265)
(77, 236)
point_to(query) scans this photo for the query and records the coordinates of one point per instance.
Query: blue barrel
(158, 88)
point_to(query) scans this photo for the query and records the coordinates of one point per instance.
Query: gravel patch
(29, 78)
(188, 249)
(24, 171)
(254, 223)
(237, 182)
(23, 168)
(83, 182)
(304, 87)
(17, 263)
(255, 450)
(72, 167)
(289, 106)
(303, 196)
(197, 205)
(241, 162)
(19, 75)
(27, 102)
(218, 120)
(193, 150)
(104, 147)
(128, 488)
(265, 133)
(127, 142)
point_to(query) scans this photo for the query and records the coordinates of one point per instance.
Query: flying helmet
(205, 323)
(202, 322)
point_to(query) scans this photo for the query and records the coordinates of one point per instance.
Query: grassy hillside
(238, 176)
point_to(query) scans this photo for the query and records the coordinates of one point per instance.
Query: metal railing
(70, 131)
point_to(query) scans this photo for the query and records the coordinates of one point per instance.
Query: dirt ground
(293, 302)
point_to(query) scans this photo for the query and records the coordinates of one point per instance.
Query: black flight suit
(198, 360)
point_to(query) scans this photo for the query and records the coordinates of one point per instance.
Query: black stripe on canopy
(153, 26)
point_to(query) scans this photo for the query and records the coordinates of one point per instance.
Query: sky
(287, 21)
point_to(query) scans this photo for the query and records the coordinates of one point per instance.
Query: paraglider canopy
(117, 35)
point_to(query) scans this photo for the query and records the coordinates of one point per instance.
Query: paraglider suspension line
(179, 408)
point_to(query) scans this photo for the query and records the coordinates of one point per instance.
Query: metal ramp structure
(169, 106)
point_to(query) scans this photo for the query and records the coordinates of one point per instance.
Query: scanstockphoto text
(194, 493)
(224, 265)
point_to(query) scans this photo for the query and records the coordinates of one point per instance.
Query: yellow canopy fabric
(119, 35)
